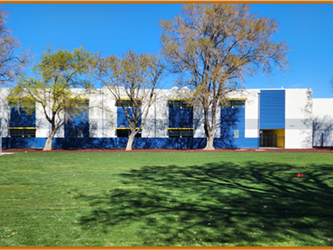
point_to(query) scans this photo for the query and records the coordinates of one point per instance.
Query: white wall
(323, 121)
(102, 114)
(4, 112)
(298, 118)
(252, 113)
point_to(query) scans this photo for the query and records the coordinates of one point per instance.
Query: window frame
(23, 131)
(181, 131)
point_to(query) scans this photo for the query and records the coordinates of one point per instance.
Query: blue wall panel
(177, 143)
(272, 109)
(180, 118)
(234, 119)
(19, 118)
(79, 122)
(121, 117)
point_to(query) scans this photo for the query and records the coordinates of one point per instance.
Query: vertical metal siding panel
(121, 118)
(19, 118)
(272, 109)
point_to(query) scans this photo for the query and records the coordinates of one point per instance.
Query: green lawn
(166, 199)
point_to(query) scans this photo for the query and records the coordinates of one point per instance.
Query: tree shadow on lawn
(219, 203)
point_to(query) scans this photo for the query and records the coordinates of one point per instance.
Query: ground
(166, 199)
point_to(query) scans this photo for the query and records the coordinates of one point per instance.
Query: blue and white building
(286, 118)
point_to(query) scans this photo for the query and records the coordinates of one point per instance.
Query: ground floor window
(180, 133)
(76, 133)
(126, 133)
(22, 132)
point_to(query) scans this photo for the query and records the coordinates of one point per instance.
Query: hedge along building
(253, 118)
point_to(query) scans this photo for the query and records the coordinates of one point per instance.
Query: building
(286, 118)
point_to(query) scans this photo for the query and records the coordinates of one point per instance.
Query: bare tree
(213, 47)
(132, 80)
(11, 62)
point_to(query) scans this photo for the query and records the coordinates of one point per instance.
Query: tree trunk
(48, 144)
(130, 141)
(209, 143)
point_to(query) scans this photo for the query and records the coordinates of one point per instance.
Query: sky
(114, 28)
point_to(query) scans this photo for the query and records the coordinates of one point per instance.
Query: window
(235, 104)
(180, 133)
(76, 133)
(126, 103)
(22, 132)
(179, 104)
(126, 133)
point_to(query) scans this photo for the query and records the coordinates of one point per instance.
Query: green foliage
(166, 199)
(53, 86)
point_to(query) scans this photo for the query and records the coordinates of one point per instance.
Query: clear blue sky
(308, 29)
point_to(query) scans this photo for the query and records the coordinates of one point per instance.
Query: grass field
(166, 199)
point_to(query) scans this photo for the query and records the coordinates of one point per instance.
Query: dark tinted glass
(122, 132)
(30, 133)
(174, 133)
(187, 133)
(16, 132)
(174, 104)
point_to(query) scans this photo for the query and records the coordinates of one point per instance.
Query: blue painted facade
(121, 117)
(80, 122)
(231, 119)
(272, 109)
(177, 143)
(19, 118)
(180, 118)
(234, 119)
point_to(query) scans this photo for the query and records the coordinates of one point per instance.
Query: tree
(132, 80)
(11, 63)
(53, 87)
(213, 48)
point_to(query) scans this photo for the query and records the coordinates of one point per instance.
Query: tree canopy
(214, 47)
(132, 80)
(11, 61)
(53, 87)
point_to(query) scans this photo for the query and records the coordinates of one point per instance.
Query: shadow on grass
(218, 203)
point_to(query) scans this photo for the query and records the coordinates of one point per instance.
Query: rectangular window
(127, 132)
(187, 133)
(16, 133)
(179, 104)
(174, 133)
(29, 132)
(79, 133)
(73, 133)
(122, 132)
(127, 103)
(180, 133)
(22, 132)
(174, 104)
(234, 104)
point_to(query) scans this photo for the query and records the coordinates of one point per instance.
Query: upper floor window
(179, 104)
(127, 103)
(235, 104)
